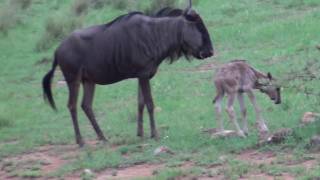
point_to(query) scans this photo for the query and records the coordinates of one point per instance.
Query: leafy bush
(8, 18)
(9, 14)
(4, 122)
(56, 29)
(22, 4)
(80, 6)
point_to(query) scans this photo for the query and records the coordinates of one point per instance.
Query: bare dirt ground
(48, 159)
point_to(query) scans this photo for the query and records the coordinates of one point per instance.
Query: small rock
(87, 174)
(225, 133)
(318, 47)
(210, 130)
(309, 117)
(61, 83)
(114, 173)
(157, 109)
(45, 162)
(162, 150)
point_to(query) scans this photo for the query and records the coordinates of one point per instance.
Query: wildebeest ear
(269, 76)
(190, 14)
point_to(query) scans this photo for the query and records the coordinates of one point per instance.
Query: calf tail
(46, 85)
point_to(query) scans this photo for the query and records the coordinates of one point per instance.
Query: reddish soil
(143, 170)
(52, 157)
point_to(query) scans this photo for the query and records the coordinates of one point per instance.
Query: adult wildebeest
(234, 79)
(131, 46)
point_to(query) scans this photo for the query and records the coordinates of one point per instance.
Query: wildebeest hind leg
(146, 90)
(141, 105)
(243, 110)
(88, 93)
(72, 105)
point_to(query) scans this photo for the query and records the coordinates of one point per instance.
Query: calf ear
(269, 76)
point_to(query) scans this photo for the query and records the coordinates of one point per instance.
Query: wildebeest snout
(206, 54)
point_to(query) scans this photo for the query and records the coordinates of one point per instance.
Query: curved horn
(190, 4)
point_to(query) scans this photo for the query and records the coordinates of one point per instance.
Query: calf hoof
(241, 134)
(262, 127)
(140, 134)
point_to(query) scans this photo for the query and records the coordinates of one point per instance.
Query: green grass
(276, 36)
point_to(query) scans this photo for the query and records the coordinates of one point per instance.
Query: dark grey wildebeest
(236, 78)
(131, 46)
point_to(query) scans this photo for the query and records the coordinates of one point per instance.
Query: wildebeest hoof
(80, 143)
(140, 134)
(155, 136)
(103, 139)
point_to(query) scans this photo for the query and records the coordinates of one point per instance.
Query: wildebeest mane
(122, 17)
(174, 52)
(169, 12)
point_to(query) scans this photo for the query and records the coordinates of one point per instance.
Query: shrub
(5, 122)
(80, 7)
(22, 4)
(8, 18)
(56, 29)
(158, 4)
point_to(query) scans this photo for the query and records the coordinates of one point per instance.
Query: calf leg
(72, 105)
(141, 105)
(147, 96)
(232, 114)
(217, 105)
(88, 92)
(260, 122)
(243, 110)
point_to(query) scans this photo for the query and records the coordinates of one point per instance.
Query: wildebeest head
(270, 87)
(196, 39)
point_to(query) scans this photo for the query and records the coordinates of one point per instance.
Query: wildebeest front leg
(260, 122)
(72, 105)
(243, 110)
(147, 96)
(88, 92)
(232, 114)
(140, 112)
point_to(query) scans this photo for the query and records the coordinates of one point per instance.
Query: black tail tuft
(46, 85)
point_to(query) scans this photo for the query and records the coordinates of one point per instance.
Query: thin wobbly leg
(232, 114)
(72, 105)
(261, 123)
(218, 109)
(243, 110)
(141, 105)
(146, 91)
(88, 93)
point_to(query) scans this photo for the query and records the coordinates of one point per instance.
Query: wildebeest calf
(236, 78)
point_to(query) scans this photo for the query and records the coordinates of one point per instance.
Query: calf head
(270, 87)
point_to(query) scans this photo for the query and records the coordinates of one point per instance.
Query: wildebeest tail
(46, 85)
